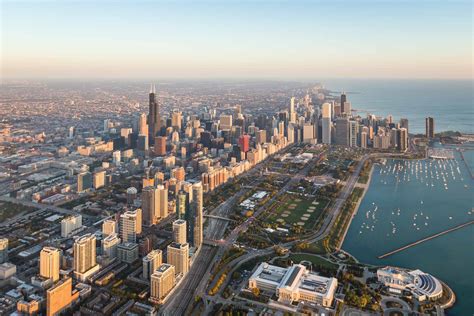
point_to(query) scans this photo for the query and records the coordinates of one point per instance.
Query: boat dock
(425, 239)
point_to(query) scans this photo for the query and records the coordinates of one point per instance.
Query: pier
(425, 239)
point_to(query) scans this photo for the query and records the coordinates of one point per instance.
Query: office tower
(109, 226)
(130, 225)
(341, 136)
(162, 201)
(84, 181)
(308, 133)
(142, 143)
(394, 138)
(244, 143)
(3, 250)
(353, 133)
(176, 119)
(154, 119)
(160, 146)
(196, 206)
(363, 139)
(403, 139)
(291, 133)
(127, 252)
(151, 262)
(182, 204)
(404, 123)
(162, 282)
(85, 256)
(99, 179)
(347, 108)
(49, 263)
(292, 110)
(71, 132)
(178, 256)
(110, 244)
(106, 125)
(116, 157)
(261, 136)
(429, 123)
(179, 231)
(142, 125)
(326, 123)
(70, 224)
(59, 297)
(225, 122)
(178, 173)
(150, 205)
(343, 102)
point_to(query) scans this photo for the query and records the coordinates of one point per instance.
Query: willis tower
(154, 120)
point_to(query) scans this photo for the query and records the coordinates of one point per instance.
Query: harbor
(414, 210)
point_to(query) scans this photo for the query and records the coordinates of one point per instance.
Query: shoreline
(452, 294)
(356, 209)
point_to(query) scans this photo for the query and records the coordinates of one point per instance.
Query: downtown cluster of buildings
(177, 158)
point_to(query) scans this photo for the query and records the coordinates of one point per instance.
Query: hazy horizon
(266, 40)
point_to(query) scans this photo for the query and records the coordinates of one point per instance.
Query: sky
(237, 39)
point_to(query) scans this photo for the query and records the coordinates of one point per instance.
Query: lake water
(450, 102)
(410, 200)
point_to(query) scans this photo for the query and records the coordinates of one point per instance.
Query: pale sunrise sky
(236, 39)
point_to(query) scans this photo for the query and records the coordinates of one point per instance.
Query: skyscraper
(150, 205)
(154, 119)
(151, 262)
(142, 125)
(160, 146)
(162, 193)
(179, 231)
(178, 256)
(85, 256)
(130, 225)
(49, 263)
(343, 102)
(341, 136)
(162, 282)
(196, 206)
(429, 122)
(353, 133)
(109, 245)
(326, 123)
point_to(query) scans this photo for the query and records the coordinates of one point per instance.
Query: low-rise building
(295, 283)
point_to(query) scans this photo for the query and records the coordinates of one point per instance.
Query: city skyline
(261, 40)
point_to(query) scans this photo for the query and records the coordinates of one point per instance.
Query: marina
(408, 200)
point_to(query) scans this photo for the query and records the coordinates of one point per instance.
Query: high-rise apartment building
(110, 244)
(429, 125)
(130, 225)
(162, 282)
(109, 226)
(196, 207)
(326, 123)
(49, 263)
(84, 250)
(178, 256)
(179, 231)
(84, 181)
(151, 262)
(150, 205)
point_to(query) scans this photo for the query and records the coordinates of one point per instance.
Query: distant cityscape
(203, 197)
